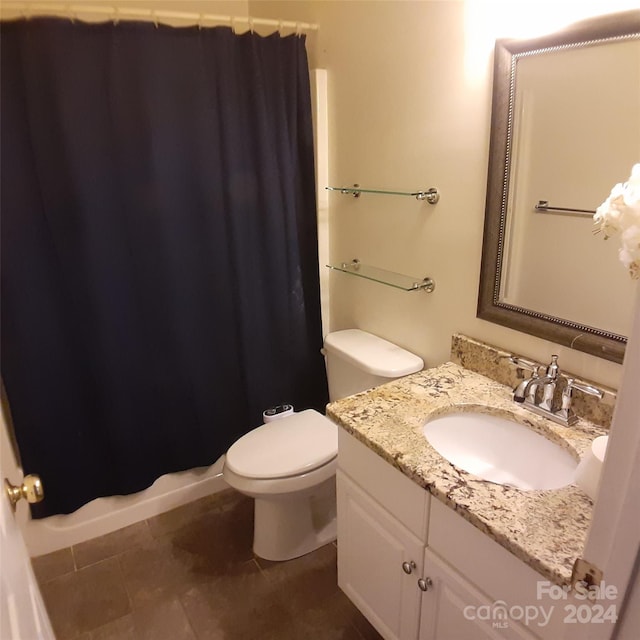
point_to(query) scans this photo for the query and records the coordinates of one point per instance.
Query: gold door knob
(31, 490)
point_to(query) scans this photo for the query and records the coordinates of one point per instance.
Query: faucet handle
(521, 363)
(566, 411)
(585, 388)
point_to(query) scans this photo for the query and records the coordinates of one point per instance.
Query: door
(22, 612)
(379, 562)
(452, 609)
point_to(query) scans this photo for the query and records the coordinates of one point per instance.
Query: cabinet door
(452, 609)
(372, 549)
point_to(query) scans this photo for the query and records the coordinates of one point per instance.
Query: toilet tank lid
(372, 354)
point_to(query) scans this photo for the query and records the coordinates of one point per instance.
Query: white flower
(630, 251)
(620, 212)
(631, 193)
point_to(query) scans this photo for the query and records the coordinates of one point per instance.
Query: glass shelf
(431, 195)
(397, 280)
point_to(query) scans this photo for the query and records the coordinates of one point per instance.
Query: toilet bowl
(288, 465)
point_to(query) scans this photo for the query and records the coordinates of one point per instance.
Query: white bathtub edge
(105, 515)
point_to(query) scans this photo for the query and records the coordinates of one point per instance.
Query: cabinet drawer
(399, 495)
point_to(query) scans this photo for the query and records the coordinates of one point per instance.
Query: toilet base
(290, 525)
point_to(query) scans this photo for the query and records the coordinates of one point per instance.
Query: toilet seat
(275, 488)
(283, 448)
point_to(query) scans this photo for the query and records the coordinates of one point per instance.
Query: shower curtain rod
(73, 11)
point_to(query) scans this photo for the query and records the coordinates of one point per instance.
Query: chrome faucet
(526, 392)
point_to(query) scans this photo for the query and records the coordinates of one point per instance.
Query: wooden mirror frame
(598, 342)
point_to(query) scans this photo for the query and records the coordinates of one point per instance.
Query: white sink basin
(501, 451)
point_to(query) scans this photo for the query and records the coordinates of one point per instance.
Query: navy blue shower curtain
(159, 247)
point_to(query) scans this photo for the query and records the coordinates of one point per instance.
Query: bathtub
(105, 515)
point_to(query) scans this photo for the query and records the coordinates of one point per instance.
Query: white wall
(409, 87)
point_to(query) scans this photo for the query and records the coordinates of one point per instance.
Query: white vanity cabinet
(408, 589)
(379, 563)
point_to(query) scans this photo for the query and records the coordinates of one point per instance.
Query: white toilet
(288, 465)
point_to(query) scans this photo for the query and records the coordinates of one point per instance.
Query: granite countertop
(544, 528)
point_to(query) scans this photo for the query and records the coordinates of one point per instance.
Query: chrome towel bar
(543, 205)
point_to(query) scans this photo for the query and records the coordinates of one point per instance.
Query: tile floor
(190, 574)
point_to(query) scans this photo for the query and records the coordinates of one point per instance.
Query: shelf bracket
(427, 285)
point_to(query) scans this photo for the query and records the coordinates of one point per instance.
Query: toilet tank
(357, 361)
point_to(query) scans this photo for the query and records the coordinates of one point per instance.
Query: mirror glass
(565, 129)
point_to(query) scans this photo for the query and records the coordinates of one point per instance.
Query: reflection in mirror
(565, 129)
(558, 163)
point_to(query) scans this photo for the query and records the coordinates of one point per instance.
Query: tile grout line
(124, 585)
(186, 615)
(260, 569)
(73, 557)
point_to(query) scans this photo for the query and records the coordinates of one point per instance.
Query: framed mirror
(565, 127)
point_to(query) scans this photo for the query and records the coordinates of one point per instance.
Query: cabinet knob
(425, 584)
(408, 567)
